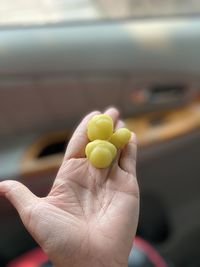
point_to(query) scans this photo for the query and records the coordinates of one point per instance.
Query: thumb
(19, 195)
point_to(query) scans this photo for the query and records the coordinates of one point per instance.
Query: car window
(23, 12)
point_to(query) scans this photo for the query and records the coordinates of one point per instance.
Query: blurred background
(60, 59)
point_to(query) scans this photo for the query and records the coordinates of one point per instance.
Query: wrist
(96, 263)
(91, 264)
(90, 258)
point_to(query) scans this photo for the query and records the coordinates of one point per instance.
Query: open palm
(90, 216)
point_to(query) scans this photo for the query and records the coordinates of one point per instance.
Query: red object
(34, 258)
(150, 252)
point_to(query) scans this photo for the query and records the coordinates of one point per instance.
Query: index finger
(74, 148)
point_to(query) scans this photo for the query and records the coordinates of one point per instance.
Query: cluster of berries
(104, 142)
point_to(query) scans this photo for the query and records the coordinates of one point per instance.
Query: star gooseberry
(100, 153)
(100, 127)
(120, 138)
(103, 148)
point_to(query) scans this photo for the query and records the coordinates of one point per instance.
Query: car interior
(60, 60)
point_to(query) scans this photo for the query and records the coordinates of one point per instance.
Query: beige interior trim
(31, 163)
(173, 123)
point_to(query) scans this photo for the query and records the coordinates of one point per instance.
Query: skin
(90, 216)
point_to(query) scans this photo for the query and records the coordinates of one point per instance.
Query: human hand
(90, 216)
